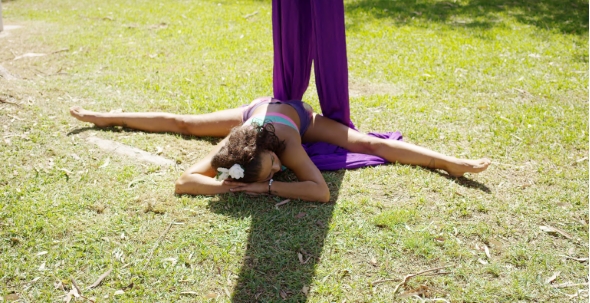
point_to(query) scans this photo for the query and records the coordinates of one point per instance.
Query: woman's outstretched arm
(199, 179)
(310, 187)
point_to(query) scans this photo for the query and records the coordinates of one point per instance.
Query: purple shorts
(304, 110)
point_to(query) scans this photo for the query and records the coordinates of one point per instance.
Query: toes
(75, 110)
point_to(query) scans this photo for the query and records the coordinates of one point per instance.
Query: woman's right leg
(217, 124)
(326, 130)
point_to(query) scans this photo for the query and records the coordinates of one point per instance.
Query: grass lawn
(502, 79)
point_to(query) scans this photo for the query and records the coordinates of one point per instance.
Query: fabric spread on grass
(298, 42)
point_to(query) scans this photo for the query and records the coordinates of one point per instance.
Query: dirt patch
(128, 151)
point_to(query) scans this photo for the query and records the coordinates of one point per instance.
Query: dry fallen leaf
(484, 262)
(422, 291)
(211, 295)
(76, 290)
(305, 290)
(119, 292)
(282, 203)
(300, 257)
(283, 295)
(497, 245)
(68, 297)
(106, 163)
(300, 215)
(11, 297)
(58, 285)
(487, 251)
(552, 278)
(373, 261)
(553, 230)
(42, 253)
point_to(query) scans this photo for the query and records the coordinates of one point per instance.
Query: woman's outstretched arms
(199, 179)
(310, 187)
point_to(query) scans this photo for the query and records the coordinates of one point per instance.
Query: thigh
(323, 129)
(217, 124)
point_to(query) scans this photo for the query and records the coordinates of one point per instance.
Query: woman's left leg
(217, 124)
(326, 130)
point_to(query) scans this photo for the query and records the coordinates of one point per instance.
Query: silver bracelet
(269, 184)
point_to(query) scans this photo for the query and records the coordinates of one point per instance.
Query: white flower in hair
(235, 172)
(224, 173)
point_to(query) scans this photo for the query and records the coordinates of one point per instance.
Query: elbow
(180, 185)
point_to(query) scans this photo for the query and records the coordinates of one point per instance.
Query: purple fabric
(313, 30)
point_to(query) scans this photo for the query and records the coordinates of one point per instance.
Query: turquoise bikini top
(272, 118)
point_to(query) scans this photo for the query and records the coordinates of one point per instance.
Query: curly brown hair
(245, 147)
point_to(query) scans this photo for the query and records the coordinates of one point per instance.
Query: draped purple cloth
(313, 30)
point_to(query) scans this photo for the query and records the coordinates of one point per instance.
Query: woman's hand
(255, 189)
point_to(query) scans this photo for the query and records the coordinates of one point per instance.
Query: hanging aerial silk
(313, 30)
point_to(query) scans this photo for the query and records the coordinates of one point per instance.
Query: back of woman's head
(245, 147)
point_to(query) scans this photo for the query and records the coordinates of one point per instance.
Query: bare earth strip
(128, 151)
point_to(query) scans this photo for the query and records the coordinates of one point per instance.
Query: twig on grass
(569, 284)
(99, 280)
(408, 277)
(2, 100)
(158, 242)
(251, 15)
(577, 294)
(5, 74)
(382, 281)
(574, 258)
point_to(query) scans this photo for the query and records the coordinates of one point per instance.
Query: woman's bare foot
(461, 166)
(89, 116)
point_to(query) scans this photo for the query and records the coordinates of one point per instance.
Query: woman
(262, 137)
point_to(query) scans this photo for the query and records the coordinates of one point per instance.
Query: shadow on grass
(463, 181)
(566, 16)
(284, 242)
(284, 245)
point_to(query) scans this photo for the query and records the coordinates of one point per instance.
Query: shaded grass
(500, 79)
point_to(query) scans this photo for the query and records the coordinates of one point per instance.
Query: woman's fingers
(234, 183)
(255, 188)
(240, 188)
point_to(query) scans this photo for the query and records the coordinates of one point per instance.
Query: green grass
(503, 79)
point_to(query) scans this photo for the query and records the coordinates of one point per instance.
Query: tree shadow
(566, 16)
(284, 244)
